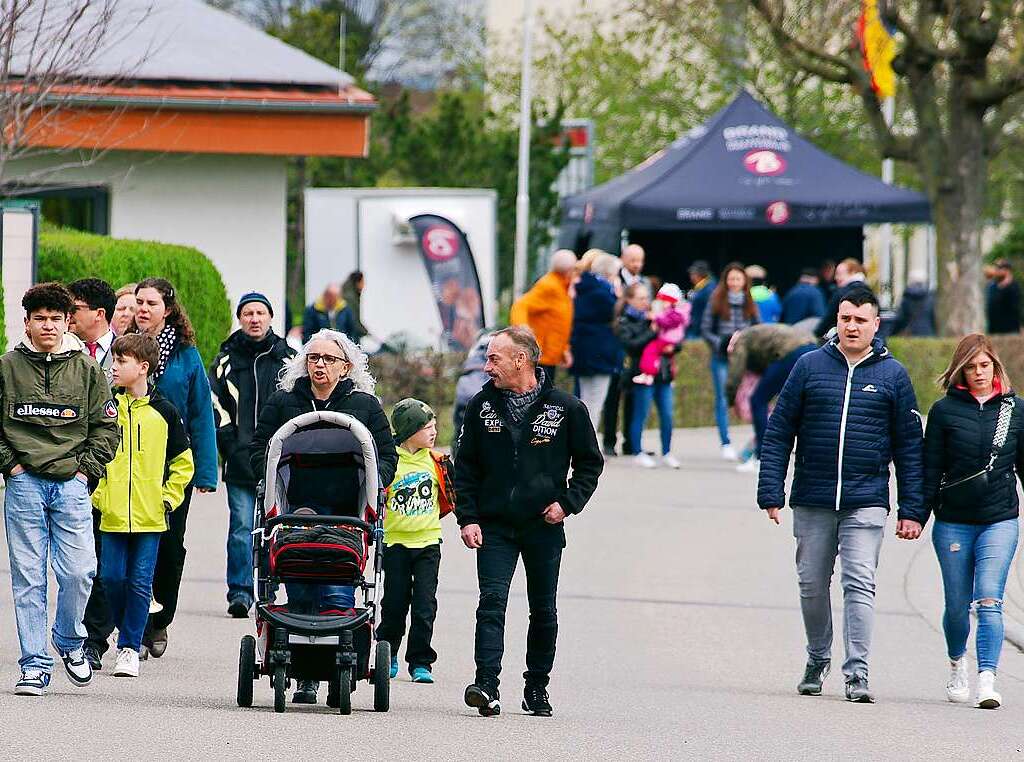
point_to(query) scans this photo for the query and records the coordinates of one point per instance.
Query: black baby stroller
(318, 512)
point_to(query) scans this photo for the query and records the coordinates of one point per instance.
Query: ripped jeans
(975, 561)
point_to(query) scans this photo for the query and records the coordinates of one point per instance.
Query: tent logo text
(764, 162)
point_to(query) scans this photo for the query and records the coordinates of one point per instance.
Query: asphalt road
(680, 637)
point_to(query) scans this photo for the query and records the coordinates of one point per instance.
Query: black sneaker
(77, 667)
(535, 701)
(857, 690)
(156, 642)
(814, 675)
(93, 656)
(609, 451)
(238, 608)
(484, 699)
(305, 692)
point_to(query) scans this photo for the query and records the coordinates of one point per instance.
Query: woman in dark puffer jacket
(974, 498)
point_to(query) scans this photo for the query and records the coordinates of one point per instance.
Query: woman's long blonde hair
(969, 347)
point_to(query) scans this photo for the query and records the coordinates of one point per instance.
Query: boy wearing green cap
(421, 493)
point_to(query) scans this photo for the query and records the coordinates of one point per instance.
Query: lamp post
(523, 186)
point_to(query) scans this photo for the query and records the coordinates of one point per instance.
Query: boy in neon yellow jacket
(421, 493)
(143, 484)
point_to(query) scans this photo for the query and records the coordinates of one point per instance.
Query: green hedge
(924, 359)
(68, 255)
(431, 377)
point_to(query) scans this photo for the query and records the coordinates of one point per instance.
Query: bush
(67, 255)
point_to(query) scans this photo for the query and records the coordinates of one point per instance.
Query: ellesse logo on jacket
(45, 410)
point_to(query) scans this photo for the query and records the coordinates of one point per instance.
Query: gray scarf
(518, 404)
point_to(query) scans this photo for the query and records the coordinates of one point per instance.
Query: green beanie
(409, 416)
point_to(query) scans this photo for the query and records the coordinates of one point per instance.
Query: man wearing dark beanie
(242, 378)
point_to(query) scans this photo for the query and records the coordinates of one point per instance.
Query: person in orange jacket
(547, 310)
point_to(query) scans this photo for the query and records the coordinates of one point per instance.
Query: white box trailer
(367, 229)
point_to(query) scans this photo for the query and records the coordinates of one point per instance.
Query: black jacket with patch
(499, 481)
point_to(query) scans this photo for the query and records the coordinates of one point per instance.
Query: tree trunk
(958, 201)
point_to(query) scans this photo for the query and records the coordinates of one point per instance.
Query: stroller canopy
(321, 433)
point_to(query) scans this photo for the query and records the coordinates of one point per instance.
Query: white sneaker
(728, 453)
(988, 698)
(749, 466)
(127, 664)
(668, 461)
(957, 689)
(644, 460)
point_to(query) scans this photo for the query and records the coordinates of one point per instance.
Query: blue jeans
(312, 599)
(975, 560)
(661, 395)
(241, 501)
(768, 388)
(45, 517)
(719, 374)
(127, 561)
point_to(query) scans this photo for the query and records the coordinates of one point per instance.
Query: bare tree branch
(819, 62)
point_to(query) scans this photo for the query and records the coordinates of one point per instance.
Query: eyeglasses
(328, 360)
(76, 307)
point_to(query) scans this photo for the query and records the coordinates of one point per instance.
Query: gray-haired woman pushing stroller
(329, 373)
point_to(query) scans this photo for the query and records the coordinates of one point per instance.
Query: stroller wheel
(382, 677)
(280, 689)
(246, 667)
(344, 690)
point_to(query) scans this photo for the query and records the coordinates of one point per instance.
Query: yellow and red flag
(878, 48)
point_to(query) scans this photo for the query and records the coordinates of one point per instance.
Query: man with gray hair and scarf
(519, 440)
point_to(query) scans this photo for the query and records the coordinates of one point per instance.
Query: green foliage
(457, 143)
(1011, 247)
(66, 255)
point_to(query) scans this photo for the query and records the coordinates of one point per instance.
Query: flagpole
(885, 274)
(523, 186)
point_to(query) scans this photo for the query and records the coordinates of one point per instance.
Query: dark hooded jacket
(849, 423)
(958, 443)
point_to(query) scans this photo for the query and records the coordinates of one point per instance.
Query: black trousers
(97, 620)
(609, 414)
(410, 581)
(170, 563)
(540, 546)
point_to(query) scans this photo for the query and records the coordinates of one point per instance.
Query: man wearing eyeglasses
(90, 319)
(93, 306)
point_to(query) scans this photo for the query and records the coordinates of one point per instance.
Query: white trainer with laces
(749, 466)
(644, 460)
(957, 689)
(988, 698)
(669, 462)
(728, 453)
(127, 664)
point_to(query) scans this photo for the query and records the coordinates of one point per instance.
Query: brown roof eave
(85, 100)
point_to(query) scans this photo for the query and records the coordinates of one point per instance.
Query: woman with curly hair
(181, 378)
(329, 373)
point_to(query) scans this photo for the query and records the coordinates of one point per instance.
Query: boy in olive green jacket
(145, 482)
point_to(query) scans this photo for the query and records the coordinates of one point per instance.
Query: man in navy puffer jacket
(851, 408)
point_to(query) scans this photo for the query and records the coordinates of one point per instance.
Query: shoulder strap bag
(969, 490)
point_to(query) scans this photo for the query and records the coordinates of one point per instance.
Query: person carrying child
(144, 482)
(422, 492)
(670, 315)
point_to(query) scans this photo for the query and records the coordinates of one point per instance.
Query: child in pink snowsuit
(670, 315)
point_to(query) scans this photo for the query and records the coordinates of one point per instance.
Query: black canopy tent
(744, 186)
